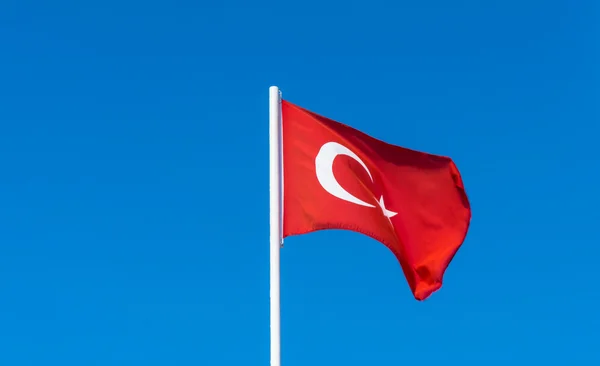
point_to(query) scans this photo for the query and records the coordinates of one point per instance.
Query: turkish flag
(335, 177)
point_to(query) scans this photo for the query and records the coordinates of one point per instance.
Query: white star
(387, 213)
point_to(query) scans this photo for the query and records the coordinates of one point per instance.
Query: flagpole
(275, 219)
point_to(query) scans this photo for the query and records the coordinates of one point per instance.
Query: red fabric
(426, 191)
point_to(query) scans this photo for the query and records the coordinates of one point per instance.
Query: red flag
(336, 177)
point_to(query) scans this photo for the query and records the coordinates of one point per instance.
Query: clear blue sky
(134, 180)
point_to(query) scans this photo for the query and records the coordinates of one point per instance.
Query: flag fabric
(336, 177)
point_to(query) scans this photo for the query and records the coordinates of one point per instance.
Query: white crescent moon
(324, 168)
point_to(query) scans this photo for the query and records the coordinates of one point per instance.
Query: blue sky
(134, 180)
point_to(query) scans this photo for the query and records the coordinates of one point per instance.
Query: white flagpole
(275, 219)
